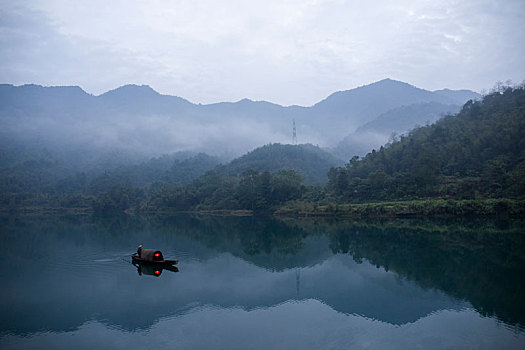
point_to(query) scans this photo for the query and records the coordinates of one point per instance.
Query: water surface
(263, 283)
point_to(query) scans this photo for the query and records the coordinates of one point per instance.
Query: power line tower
(294, 135)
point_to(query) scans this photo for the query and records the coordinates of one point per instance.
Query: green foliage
(309, 161)
(411, 208)
(478, 153)
(253, 190)
(117, 200)
(40, 179)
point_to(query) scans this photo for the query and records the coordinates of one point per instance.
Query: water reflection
(396, 272)
(152, 270)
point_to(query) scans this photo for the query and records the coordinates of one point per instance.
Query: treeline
(166, 183)
(311, 162)
(253, 190)
(37, 179)
(260, 181)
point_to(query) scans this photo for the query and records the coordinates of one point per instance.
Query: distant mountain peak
(380, 84)
(41, 87)
(389, 80)
(391, 83)
(133, 90)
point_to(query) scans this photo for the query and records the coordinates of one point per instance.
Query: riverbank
(391, 209)
(412, 208)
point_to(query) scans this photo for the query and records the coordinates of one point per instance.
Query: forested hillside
(478, 153)
(309, 161)
(252, 190)
(261, 180)
(396, 121)
(31, 178)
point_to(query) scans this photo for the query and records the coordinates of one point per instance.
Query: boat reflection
(152, 269)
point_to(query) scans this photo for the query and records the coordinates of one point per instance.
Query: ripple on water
(101, 263)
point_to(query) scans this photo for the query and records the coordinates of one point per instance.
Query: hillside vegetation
(386, 126)
(261, 180)
(309, 161)
(478, 153)
(469, 163)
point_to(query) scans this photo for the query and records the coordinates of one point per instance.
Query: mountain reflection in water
(63, 274)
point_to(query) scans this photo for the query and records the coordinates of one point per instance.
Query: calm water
(250, 283)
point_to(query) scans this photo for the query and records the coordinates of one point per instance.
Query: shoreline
(411, 208)
(388, 209)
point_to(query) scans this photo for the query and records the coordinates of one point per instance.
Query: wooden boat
(151, 256)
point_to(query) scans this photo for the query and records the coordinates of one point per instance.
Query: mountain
(387, 126)
(258, 181)
(27, 174)
(343, 112)
(360, 103)
(35, 99)
(175, 169)
(142, 100)
(478, 153)
(459, 96)
(310, 161)
(137, 120)
(404, 118)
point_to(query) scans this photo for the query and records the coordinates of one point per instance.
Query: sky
(283, 51)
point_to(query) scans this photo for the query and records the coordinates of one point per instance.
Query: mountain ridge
(391, 124)
(138, 119)
(149, 89)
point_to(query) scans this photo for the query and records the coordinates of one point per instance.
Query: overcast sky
(287, 52)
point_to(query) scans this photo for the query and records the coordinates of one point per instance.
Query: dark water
(250, 283)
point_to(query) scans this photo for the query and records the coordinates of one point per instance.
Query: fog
(140, 123)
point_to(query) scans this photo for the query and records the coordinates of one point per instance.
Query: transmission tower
(294, 135)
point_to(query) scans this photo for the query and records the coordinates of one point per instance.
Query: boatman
(139, 250)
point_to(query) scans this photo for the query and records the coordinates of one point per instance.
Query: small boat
(151, 256)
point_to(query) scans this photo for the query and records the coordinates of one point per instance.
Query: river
(262, 283)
